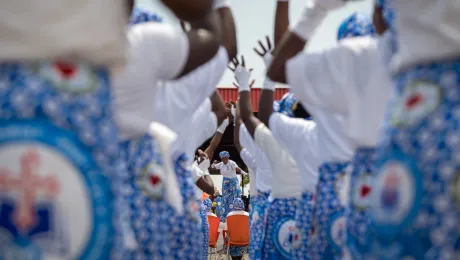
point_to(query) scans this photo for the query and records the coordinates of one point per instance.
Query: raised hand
(242, 74)
(265, 51)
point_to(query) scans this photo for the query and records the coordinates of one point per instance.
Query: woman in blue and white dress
(157, 174)
(58, 135)
(416, 206)
(230, 183)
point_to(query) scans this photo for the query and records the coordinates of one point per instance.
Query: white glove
(223, 126)
(268, 58)
(268, 84)
(242, 76)
(233, 111)
(243, 172)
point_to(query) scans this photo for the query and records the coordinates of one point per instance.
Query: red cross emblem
(27, 186)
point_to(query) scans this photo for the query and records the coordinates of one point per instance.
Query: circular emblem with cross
(396, 196)
(76, 78)
(53, 196)
(418, 99)
(361, 193)
(152, 180)
(283, 236)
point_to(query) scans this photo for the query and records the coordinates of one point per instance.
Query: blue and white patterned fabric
(258, 225)
(358, 24)
(361, 187)
(224, 154)
(280, 225)
(303, 226)
(416, 198)
(149, 215)
(286, 104)
(142, 16)
(220, 209)
(329, 213)
(58, 161)
(230, 190)
(204, 232)
(238, 204)
(208, 204)
(193, 222)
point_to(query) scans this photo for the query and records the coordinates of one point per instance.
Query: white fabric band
(269, 85)
(311, 18)
(221, 4)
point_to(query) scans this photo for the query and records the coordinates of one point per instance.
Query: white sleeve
(234, 165)
(287, 130)
(164, 48)
(246, 140)
(319, 79)
(196, 172)
(264, 138)
(193, 88)
(247, 158)
(217, 166)
(204, 124)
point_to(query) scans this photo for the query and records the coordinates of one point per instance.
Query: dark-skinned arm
(189, 10)
(218, 107)
(215, 142)
(268, 90)
(236, 132)
(281, 20)
(294, 40)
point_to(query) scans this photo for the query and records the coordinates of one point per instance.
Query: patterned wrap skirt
(303, 226)
(258, 226)
(329, 214)
(416, 202)
(280, 227)
(361, 187)
(59, 164)
(230, 190)
(204, 231)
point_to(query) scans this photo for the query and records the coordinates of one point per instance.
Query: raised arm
(236, 129)
(281, 20)
(189, 10)
(268, 90)
(216, 139)
(242, 76)
(296, 38)
(218, 108)
(228, 29)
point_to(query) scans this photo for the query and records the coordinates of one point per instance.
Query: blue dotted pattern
(358, 24)
(142, 16)
(358, 221)
(280, 210)
(230, 190)
(327, 209)
(83, 108)
(304, 220)
(258, 225)
(429, 147)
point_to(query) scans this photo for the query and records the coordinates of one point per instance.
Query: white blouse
(227, 170)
